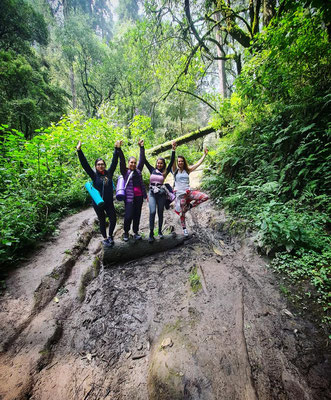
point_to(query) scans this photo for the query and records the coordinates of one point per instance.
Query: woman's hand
(79, 145)
(174, 145)
(205, 151)
(141, 142)
(118, 143)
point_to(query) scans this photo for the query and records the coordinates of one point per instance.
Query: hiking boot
(136, 236)
(185, 232)
(126, 236)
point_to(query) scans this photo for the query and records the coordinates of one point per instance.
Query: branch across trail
(181, 140)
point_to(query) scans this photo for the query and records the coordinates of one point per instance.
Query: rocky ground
(205, 320)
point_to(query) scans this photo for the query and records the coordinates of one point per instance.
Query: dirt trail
(138, 331)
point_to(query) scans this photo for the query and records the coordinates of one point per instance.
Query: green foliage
(141, 128)
(41, 179)
(21, 26)
(282, 226)
(273, 166)
(194, 280)
(28, 99)
(292, 62)
(312, 267)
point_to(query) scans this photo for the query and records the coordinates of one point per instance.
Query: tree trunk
(181, 140)
(73, 86)
(221, 63)
(123, 252)
(268, 11)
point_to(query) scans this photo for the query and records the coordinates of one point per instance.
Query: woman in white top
(185, 197)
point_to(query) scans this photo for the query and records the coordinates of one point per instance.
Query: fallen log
(133, 249)
(180, 140)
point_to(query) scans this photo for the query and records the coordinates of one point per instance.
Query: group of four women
(135, 191)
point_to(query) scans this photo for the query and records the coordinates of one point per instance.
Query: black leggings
(156, 200)
(133, 212)
(108, 209)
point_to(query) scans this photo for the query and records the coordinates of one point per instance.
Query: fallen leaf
(166, 342)
(288, 313)
(217, 251)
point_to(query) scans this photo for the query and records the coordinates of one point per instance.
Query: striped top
(157, 177)
(136, 181)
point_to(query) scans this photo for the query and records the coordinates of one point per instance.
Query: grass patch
(194, 280)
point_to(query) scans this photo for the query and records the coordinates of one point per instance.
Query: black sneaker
(126, 236)
(136, 236)
(151, 239)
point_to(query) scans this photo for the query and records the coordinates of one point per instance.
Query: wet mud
(205, 320)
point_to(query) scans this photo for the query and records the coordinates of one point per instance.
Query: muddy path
(206, 320)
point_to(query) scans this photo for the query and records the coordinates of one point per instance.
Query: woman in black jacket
(102, 179)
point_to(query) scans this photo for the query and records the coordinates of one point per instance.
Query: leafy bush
(41, 179)
(312, 267)
(273, 166)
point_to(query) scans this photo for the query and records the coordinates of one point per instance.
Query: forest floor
(72, 329)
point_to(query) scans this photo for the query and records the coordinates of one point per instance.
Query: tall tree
(28, 97)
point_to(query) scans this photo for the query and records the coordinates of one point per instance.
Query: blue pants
(156, 200)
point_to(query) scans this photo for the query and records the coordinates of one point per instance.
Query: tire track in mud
(141, 333)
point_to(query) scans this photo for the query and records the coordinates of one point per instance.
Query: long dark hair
(185, 163)
(164, 163)
(99, 159)
(105, 176)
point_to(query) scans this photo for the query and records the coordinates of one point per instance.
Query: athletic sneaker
(126, 237)
(136, 236)
(187, 207)
(105, 242)
(151, 239)
(185, 232)
(110, 241)
(160, 235)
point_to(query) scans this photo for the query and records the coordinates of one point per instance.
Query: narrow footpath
(206, 320)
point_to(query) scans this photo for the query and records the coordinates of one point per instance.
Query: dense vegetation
(260, 75)
(273, 169)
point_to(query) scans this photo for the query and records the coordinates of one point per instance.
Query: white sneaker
(185, 232)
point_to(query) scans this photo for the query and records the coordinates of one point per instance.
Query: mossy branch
(181, 140)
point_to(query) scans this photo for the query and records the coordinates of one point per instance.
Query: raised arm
(114, 161)
(113, 164)
(149, 166)
(171, 163)
(141, 162)
(84, 162)
(195, 166)
(123, 168)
